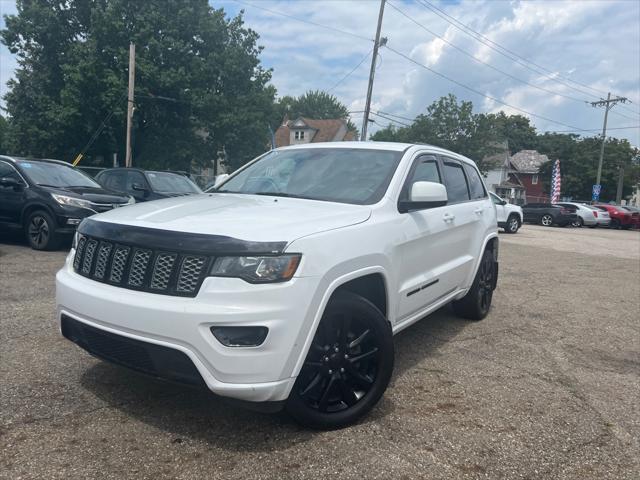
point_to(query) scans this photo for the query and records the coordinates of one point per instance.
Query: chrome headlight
(257, 269)
(71, 201)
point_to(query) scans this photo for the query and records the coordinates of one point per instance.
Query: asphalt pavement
(547, 386)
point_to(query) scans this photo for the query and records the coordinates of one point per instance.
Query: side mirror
(9, 182)
(503, 202)
(219, 179)
(138, 187)
(424, 195)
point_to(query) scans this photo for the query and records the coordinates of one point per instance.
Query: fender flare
(486, 241)
(329, 291)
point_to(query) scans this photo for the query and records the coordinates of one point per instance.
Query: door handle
(447, 217)
(478, 211)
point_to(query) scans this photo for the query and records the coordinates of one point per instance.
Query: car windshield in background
(56, 175)
(164, 182)
(346, 175)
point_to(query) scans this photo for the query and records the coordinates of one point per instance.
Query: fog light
(73, 221)
(240, 336)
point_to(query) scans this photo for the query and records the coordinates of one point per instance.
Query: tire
(578, 223)
(546, 220)
(334, 389)
(615, 224)
(475, 305)
(40, 231)
(513, 224)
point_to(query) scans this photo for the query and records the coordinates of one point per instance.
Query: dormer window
(299, 135)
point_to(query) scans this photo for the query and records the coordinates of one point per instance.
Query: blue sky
(596, 43)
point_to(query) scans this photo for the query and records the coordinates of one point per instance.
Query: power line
(353, 70)
(503, 50)
(470, 55)
(513, 56)
(597, 129)
(477, 92)
(302, 20)
(390, 119)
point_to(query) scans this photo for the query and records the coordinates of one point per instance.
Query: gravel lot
(546, 387)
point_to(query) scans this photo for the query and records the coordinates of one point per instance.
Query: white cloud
(594, 42)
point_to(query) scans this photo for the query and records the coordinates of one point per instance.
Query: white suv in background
(509, 215)
(286, 283)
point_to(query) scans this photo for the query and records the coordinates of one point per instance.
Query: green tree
(199, 82)
(3, 135)
(579, 164)
(452, 125)
(314, 104)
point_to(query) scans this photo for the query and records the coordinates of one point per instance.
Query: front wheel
(40, 231)
(513, 224)
(546, 220)
(476, 303)
(615, 224)
(348, 366)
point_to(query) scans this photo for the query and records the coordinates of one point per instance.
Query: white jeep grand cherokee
(287, 282)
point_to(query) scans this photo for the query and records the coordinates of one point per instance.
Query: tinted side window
(476, 188)
(424, 169)
(135, 177)
(456, 182)
(113, 181)
(7, 171)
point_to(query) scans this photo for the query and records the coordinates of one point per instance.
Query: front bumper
(259, 374)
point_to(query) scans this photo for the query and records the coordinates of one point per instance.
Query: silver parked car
(602, 216)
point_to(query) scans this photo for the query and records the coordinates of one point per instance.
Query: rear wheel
(578, 222)
(476, 303)
(546, 220)
(348, 366)
(513, 224)
(40, 231)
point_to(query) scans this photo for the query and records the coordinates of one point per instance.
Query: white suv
(286, 284)
(509, 215)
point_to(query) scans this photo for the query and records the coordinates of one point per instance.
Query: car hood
(92, 194)
(246, 217)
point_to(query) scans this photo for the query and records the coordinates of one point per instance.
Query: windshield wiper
(47, 185)
(278, 194)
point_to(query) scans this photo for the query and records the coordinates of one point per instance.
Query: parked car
(509, 215)
(145, 185)
(620, 218)
(635, 215)
(47, 199)
(287, 283)
(584, 215)
(602, 216)
(548, 214)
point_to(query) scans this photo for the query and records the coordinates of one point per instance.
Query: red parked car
(620, 217)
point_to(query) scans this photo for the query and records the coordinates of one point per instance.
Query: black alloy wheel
(475, 305)
(615, 224)
(40, 231)
(348, 366)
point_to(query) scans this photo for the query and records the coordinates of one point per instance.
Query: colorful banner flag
(556, 182)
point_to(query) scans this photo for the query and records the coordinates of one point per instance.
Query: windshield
(56, 175)
(165, 182)
(346, 175)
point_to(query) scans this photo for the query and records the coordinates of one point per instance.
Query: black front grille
(136, 268)
(148, 358)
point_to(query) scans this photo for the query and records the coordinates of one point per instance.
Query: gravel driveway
(546, 387)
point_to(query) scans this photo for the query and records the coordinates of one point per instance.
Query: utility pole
(620, 184)
(608, 104)
(374, 60)
(132, 80)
